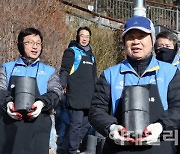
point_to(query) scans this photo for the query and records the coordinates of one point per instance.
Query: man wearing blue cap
(137, 101)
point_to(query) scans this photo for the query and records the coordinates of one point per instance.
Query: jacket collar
(21, 62)
(175, 61)
(153, 66)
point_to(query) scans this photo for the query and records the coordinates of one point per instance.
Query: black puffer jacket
(101, 118)
(100, 112)
(68, 61)
(78, 75)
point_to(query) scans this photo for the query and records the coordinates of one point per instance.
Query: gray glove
(11, 111)
(117, 133)
(37, 107)
(154, 131)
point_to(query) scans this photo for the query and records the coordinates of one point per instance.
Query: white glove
(154, 131)
(11, 113)
(117, 133)
(37, 107)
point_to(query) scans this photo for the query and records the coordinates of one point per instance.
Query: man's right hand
(11, 113)
(117, 133)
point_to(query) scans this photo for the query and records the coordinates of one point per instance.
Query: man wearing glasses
(78, 75)
(25, 111)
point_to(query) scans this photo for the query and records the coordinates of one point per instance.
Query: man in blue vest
(140, 92)
(30, 91)
(78, 75)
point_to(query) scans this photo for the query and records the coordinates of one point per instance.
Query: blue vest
(77, 58)
(123, 74)
(38, 70)
(176, 62)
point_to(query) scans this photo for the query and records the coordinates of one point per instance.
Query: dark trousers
(78, 128)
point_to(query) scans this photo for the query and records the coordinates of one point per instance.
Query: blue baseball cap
(141, 23)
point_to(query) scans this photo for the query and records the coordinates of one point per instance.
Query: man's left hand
(37, 107)
(153, 132)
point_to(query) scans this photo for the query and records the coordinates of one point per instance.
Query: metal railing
(160, 14)
(168, 17)
(119, 9)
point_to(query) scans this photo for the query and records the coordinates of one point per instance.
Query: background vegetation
(50, 18)
(58, 27)
(45, 15)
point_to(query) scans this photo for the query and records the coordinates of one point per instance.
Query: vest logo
(87, 62)
(41, 72)
(120, 85)
(160, 79)
(16, 70)
(79, 57)
(152, 81)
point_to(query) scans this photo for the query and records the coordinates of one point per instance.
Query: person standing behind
(26, 130)
(166, 49)
(78, 75)
(141, 70)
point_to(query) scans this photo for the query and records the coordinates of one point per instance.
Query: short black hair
(80, 29)
(24, 33)
(168, 35)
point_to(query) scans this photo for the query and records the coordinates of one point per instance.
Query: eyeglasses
(164, 46)
(32, 43)
(85, 36)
